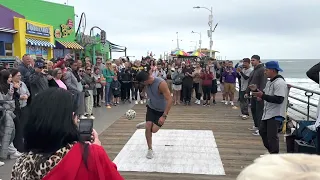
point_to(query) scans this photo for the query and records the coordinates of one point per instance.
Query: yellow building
(33, 38)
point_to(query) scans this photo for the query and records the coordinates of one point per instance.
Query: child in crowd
(116, 90)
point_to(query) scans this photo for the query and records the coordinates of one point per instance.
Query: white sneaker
(253, 128)
(223, 101)
(244, 117)
(141, 125)
(256, 133)
(231, 103)
(141, 102)
(1, 163)
(136, 102)
(198, 102)
(91, 117)
(15, 155)
(150, 154)
(144, 101)
(226, 103)
(83, 117)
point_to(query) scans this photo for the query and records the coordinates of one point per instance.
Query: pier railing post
(308, 94)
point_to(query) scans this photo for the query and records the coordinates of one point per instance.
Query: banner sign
(36, 30)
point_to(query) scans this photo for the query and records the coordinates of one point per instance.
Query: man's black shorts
(153, 116)
(214, 88)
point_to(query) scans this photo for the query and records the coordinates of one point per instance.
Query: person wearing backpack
(177, 77)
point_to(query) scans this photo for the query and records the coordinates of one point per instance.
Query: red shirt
(72, 167)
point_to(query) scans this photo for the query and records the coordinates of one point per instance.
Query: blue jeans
(108, 94)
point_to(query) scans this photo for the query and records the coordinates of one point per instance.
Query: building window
(8, 49)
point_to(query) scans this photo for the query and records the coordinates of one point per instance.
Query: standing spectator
(138, 87)
(274, 96)
(39, 78)
(56, 80)
(196, 82)
(89, 88)
(126, 79)
(116, 90)
(71, 79)
(159, 72)
(187, 84)
(98, 87)
(108, 73)
(214, 67)
(7, 126)
(26, 70)
(244, 73)
(177, 79)
(206, 77)
(257, 78)
(230, 78)
(169, 70)
(21, 95)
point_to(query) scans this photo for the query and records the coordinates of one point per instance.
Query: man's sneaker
(141, 102)
(144, 101)
(231, 103)
(244, 117)
(256, 133)
(91, 117)
(141, 125)
(136, 102)
(15, 155)
(226, 103)
(1, 163)
(198, 102)
(150, 154)
(253, 128)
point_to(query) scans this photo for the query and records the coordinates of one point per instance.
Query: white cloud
(271, 28)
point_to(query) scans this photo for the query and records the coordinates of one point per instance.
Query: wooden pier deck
(237, 146)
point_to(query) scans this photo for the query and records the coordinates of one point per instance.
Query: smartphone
(85, 129)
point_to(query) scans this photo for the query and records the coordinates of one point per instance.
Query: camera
(85, 129)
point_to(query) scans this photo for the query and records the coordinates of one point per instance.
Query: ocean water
(294, 72)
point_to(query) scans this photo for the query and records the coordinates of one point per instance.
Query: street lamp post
(210, 23)
(200, 41)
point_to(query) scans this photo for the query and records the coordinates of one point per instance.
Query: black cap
(142, 76)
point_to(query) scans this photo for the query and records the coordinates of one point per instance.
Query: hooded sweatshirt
(67, 164)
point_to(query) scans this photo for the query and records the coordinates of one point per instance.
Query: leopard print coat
(25, 167)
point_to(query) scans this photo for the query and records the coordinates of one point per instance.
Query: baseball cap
(39, 64)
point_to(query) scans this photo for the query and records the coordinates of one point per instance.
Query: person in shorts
(158, 106)
(177, 77)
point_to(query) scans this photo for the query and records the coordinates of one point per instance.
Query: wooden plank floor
(237, 146)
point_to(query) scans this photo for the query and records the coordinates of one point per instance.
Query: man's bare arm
(163, 88)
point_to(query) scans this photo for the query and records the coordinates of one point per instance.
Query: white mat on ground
(176, 151)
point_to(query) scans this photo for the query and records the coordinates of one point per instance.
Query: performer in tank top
(158, 105)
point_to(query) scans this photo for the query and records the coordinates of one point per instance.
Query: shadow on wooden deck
(237, 146)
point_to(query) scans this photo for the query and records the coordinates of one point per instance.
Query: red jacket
(72, 167)
(206, 78)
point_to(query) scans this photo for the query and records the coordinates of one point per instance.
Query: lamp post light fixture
(200, 41)
(210, 23)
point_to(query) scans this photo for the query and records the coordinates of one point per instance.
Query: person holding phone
(54, 148)
(258, 80)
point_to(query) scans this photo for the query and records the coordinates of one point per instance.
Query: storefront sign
(88, 40)
(37, 30)
(65, 30)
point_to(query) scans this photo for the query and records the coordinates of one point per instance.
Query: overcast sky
(273, 29)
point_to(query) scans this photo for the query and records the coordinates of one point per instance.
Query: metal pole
(94, 49)
(211, 23)
(200, 43)
(178, 41)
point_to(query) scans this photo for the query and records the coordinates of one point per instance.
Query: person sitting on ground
(53, 147)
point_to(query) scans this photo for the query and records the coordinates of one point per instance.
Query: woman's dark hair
(14, 71)
(55, 72)
(4, 86)
(51, 125)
